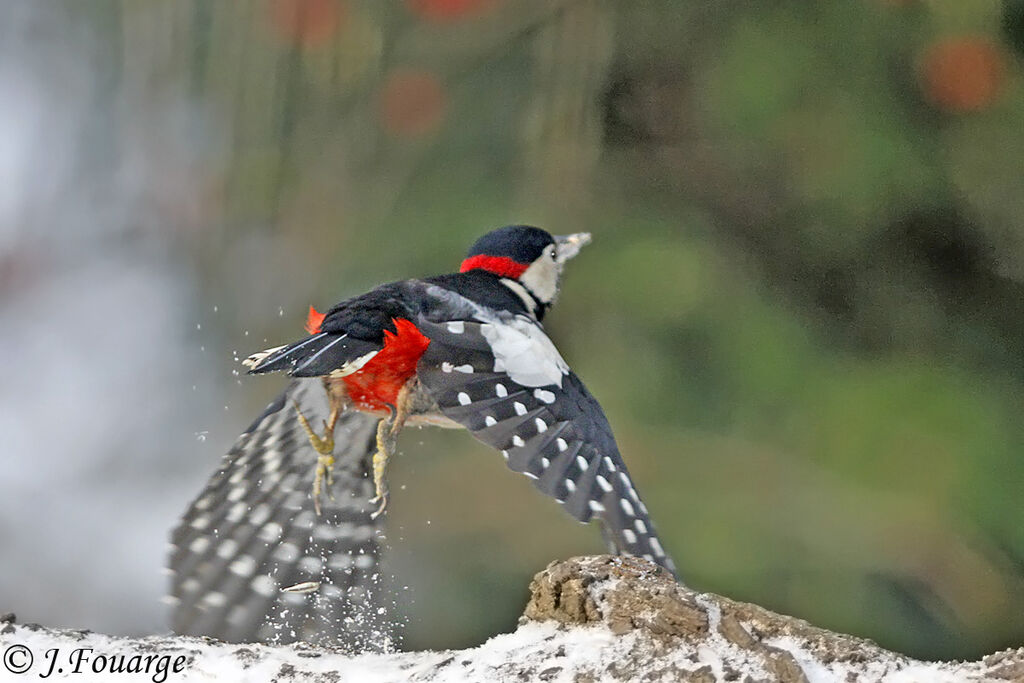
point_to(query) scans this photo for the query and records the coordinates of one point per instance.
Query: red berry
(963, 74)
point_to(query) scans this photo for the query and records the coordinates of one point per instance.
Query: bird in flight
(461, 350)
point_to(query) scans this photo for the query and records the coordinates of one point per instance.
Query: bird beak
(567, 246)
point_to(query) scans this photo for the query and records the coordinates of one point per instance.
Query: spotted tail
(252, 532)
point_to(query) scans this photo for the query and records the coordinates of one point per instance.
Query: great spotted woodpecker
(461, 350)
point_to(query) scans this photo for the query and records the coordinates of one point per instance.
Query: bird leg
(387, 438)
(324, 446)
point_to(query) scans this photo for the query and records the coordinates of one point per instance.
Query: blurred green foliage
(802, 310)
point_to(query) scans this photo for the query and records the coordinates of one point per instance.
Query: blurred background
(803, 310)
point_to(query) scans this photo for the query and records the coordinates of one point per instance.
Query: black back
(481, 287)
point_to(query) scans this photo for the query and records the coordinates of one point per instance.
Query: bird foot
(324, 473)
(324, 446)
(386, 440)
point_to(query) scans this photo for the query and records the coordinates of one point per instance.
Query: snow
(535, 651)
(546, 647)
(547, 650)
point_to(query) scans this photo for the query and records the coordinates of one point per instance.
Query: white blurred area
(107, 392)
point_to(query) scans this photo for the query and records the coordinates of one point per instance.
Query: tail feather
(253, 532)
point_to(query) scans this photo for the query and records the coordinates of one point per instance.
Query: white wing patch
(522, 350)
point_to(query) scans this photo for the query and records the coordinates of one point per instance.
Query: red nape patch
(499, 265)
(314, 320)
(378, 382)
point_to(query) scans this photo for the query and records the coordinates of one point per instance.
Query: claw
(383, 499)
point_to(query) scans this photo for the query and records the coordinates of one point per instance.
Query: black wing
(314, 356)
(253, 531)
(556, 435)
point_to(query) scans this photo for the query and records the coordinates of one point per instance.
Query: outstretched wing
(253, 531)
(506, 383)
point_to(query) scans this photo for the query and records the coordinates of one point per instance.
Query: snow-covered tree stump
(589, 619)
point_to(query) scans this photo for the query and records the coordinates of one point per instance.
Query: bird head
(526, 255)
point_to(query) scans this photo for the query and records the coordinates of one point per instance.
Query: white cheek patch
(524, 352)
(541, 278)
